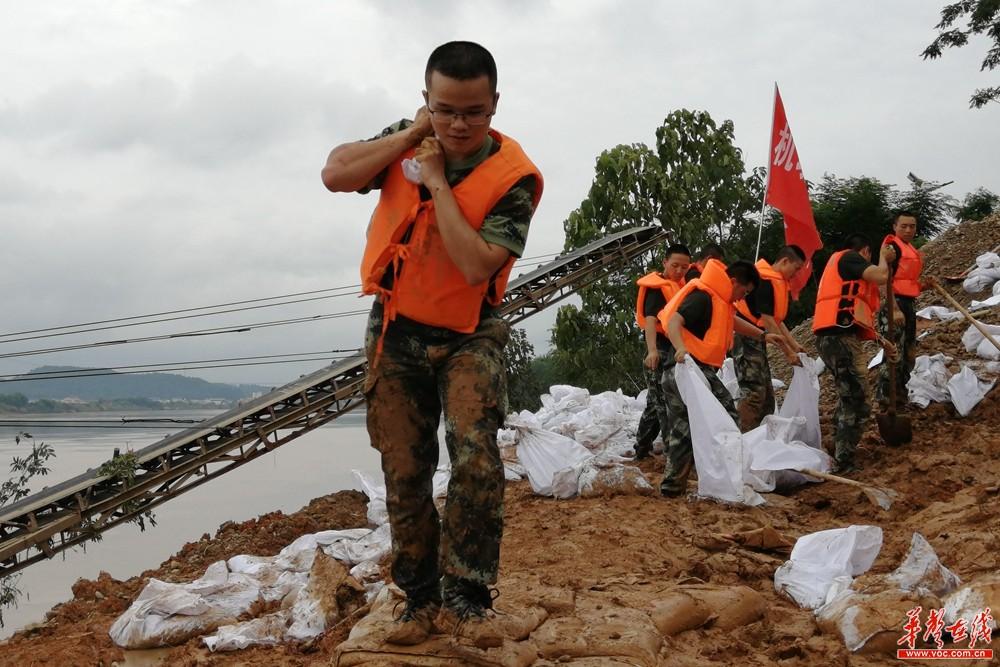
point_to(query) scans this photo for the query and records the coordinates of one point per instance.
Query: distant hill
(156, 386)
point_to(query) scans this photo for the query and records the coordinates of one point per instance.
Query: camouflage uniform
(655, 420)
(754, 373)
(905, 338)
(423, 370)
(843, 357)
(680, 455)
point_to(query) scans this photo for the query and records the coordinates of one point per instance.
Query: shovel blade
(894, 429)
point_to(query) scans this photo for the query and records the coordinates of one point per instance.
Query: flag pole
(767, 178)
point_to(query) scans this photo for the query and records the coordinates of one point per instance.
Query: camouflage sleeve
(376, 183)
(506, 224)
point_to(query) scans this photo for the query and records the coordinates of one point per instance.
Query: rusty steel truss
(77, 510)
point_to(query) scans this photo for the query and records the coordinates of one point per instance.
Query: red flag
(786, 191)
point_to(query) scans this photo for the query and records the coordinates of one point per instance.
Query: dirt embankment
(621, 555)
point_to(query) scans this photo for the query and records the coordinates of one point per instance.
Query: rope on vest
(400, 253)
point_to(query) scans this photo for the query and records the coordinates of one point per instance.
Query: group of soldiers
(708, 311)
(455, 203)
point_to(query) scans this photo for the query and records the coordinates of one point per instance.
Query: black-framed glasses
(470, 117)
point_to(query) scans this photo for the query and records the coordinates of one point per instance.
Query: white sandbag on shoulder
(966, 390)
(715, 439)
(802, 399)
(819, 558)
(929, 380)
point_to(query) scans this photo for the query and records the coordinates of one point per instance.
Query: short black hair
(677, 249)
(462, 61)
(857, 242)
(744, 273)
(792, 253)
(712, 251)
(902, 213)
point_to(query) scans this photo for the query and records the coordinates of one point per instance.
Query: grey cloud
(232, 112)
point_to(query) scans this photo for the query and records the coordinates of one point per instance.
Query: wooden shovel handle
(832, 478)
(976, 323)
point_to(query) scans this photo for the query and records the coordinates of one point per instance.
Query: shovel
(876, 494)
(895, 430)
(960, 277)
(965, 313)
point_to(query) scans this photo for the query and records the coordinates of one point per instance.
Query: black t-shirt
(693, 272)
(761, 300)
(696, 309)
(850, 267)
(653, 303)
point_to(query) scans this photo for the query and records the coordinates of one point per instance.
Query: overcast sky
(164, 155)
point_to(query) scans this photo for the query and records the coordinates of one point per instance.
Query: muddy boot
(675, 483)
(468, 613)
(415, 624)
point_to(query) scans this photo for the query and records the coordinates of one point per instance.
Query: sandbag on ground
(698, 605)
(365, 645)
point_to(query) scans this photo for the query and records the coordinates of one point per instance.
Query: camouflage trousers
(754, 373)
(905, 338)
(655, 420)
(680, 455)
(421, 372)
(843, 357)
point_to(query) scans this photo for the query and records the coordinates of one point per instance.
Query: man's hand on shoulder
(421, 128)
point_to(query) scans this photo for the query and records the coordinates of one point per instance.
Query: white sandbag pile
(869, 613)
(167, 614)
(932, 381)
(309, 577)
(975, 341)
(929, 380)
(557, 465)
(986, 273)
(991, 301)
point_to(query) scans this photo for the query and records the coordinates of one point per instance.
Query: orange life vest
(428, 287)
(780, 286)
(718, 339)
(654, 281)
(845, 303)
(906, 279)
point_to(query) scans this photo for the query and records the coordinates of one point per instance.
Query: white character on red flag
(787, 192)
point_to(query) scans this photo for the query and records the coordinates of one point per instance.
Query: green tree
(977, 205)
(982, 17)
(925, 200)
(523, 388)
(22, 471)
(692, 185)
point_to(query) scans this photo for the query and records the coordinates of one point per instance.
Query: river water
(317, 463)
